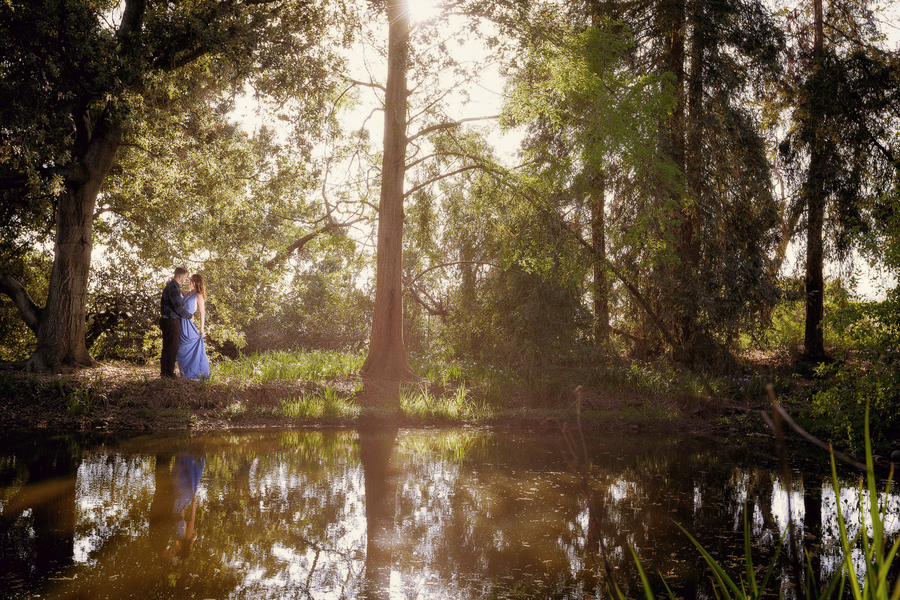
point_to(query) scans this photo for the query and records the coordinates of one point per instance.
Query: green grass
(326, 403)
(453, 390)
(290, 366)
(458, 405)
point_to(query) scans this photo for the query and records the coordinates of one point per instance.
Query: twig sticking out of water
(595, 513)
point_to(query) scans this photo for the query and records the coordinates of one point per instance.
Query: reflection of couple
(186, 476)
(182, 341)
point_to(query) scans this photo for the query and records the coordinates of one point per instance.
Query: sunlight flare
(423, 10)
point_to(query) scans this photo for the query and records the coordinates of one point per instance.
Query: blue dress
(186, 475)
(192, 361)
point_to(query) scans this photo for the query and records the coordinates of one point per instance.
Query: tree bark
(386, 360)
(28, 310)
(814, 342)
(691, 165)
(61, 325)
(674, 14)
(61, 330)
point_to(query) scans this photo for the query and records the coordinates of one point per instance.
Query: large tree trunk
(386, 361)
(814, 342)
(61, 327)
(61, 330)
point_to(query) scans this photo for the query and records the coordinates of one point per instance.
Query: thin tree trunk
(691, 164)
(674, 13)
(599, 11)
(386, 360)
(814, 341)
(601, 283)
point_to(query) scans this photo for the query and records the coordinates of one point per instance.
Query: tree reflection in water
(390, 514)
(375, 447)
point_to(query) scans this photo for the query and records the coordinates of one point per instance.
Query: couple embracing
(182, 341)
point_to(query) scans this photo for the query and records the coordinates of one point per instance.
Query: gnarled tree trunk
(61, 328)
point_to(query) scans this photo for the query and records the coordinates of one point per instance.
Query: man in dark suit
(171, 308)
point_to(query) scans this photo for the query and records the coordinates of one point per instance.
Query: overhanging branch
(452, 264)
(301, 242)
(629, 286)
(28, 310)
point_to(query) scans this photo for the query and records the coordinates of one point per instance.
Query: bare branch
(435, 308)
(301, 242)
(442, 155)
(452, 264)
(776, 406)
(631, 288)
(370, 84)
(449, 125)
(438, 178)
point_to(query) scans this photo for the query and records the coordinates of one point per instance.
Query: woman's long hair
(199, 285)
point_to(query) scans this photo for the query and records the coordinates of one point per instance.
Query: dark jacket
(172, 302)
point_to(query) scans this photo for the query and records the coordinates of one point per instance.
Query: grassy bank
(324, 389)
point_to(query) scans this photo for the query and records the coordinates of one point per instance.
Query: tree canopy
(669, 154)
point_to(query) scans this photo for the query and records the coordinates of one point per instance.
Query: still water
(399, 514)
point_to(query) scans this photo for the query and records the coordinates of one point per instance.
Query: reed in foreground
(871, 584)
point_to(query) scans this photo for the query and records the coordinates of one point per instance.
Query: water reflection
(395, 514)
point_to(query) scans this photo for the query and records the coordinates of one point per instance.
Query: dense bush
(323, 310)
(523, 322)
(866, 373)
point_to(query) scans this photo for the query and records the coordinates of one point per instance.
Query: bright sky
(486, 99)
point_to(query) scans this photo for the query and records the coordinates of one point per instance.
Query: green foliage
(526, 323)
(784, 331)
(324, 403)
(322, 309)
(80, 397)
(608, 139)
(123, 311)
(725, 585)
(188, 186)
(459, 405)
(872, 584)
(866, 376)
(290, 366)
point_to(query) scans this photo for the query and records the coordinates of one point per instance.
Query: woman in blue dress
(192, 361)
(186, 475)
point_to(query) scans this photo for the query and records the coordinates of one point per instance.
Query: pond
(381, 513)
